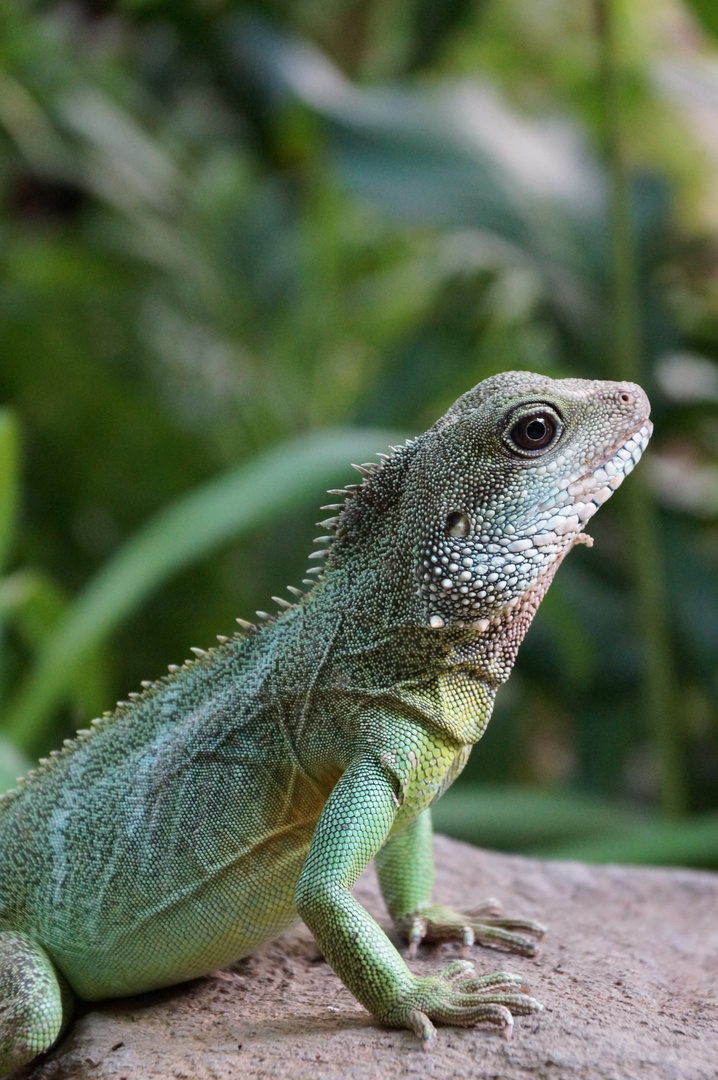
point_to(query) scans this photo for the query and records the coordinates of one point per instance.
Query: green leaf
(34, 602)
(519, 818)
(706, 11)
(9, 482)
(559, 825)
(189, 530)
(691, 842)
(13, 764)
(455, 155)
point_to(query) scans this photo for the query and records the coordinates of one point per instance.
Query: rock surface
(628, 976)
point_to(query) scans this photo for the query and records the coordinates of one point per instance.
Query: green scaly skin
(255, 783)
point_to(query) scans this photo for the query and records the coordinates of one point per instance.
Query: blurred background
(244, 243)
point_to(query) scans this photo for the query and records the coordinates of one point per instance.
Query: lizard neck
(476, 667)
(445, 678)
(390, 622)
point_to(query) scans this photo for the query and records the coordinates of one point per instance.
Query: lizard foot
(455, 996)
(482, 925)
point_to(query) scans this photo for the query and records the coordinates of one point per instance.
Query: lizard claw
(422, 1026)
(507, 1029)
(416, 936)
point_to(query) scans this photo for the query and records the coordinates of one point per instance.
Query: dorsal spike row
(331, 506)
(315, 570)
(201, 654)
(318, 554)
(308, 581)
(174, 668)
(246, 625)
(336, 491)
(330, 523)
(282, 603)
(322, 540)
(222, 639)
(263, 615)
(146, 684)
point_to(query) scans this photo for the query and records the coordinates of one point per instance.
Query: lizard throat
(492, 653)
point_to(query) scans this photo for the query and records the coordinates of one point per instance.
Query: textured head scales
(510, 475)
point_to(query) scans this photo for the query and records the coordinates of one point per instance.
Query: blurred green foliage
(244, 242)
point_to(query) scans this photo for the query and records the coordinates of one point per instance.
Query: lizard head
(509, 476)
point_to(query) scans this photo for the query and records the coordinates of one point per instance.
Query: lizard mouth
(603, 479)
(626, 454)
(582, 498)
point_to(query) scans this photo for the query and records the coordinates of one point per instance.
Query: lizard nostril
(626, 398)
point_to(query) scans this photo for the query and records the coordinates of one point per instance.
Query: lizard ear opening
(458, 524)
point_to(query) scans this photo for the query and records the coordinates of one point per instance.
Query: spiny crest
(122, 708)
(333, 525)
(336, 524)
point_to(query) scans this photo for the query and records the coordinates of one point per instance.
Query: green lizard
(255, 783)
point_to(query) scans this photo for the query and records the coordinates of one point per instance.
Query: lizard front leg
(354, 823)
(405, 867)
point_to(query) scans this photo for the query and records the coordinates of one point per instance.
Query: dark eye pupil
(534, 432)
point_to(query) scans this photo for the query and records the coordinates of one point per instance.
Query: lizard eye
(457, 524)
(534, 432)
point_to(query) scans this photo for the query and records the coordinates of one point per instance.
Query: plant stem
(659, 685)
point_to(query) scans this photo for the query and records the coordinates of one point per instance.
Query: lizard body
(256, 782)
